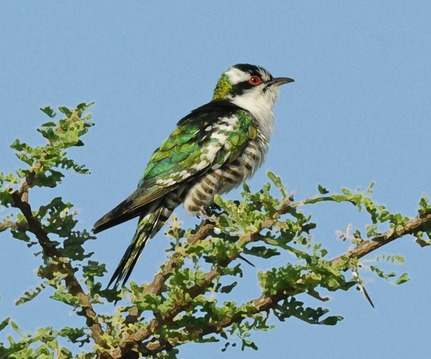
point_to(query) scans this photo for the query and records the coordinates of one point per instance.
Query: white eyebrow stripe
(236, 76)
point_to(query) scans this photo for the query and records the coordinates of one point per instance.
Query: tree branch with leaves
(192, 297)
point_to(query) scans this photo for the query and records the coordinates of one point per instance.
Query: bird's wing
(209, 136)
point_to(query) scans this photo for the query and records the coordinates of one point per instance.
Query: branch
(367, 246)
(264, 303)
(20, 201)
(203, 231)
(155, 287)
(169, 266)
(175, 261)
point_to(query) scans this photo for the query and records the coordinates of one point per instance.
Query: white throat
(260, 106)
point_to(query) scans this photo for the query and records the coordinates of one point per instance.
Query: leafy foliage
(192, 297)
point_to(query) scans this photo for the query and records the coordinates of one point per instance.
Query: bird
(212, 150)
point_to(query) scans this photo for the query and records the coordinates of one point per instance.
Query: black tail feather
(148, 226)
(116, 216)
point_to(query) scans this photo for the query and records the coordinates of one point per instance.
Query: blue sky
(358, 112)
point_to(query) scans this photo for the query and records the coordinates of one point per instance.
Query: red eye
(255, 80)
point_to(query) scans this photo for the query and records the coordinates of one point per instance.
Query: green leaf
(395, 259)
(261, 251)
(4, 323)
(75, 335)
(48, 111)
(62, 295)
(322, 190)
(403, 278)
(381, 273)
(30, 294)
(246, 343)
(65, 110)
(94, 269)
(228, 288)
(422, 242)
(424, 206)
(331, 320)
(14, 326)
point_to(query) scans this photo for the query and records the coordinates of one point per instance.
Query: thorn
(362, 288)
(367, 296)
(246, 260)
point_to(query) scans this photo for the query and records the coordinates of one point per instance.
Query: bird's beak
(278, 81)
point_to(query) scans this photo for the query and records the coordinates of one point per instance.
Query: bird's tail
(148, 226)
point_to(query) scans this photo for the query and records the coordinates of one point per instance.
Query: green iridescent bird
(212, 150)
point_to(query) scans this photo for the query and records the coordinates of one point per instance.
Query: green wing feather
(191, 149)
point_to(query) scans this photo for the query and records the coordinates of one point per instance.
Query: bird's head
(247, 84)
